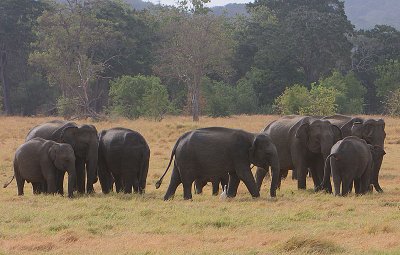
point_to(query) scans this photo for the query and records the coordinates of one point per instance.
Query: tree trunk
(195, 99)
(6, 93)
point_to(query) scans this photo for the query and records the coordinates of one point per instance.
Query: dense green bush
(350, 92)
(135, 96)
(389, 78)
(299, 100)
(246, 99)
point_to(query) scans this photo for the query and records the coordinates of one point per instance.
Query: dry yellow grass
(297, 222)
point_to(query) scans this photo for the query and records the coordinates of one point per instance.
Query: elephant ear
(357, 129)
(53, 152)
(302, 132)
(59, 133)
(337, 133)
(346, 128)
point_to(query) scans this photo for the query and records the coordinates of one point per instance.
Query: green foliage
(389, 78)
(350, 92)
(392, 103)
(220, 98)
(137, 96)
(246, 99)
(298, 100)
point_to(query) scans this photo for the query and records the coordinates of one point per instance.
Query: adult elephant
(123, 157)
(216, 151)
(370, 130)
(302, 142)
(39, 161)
(83, 140)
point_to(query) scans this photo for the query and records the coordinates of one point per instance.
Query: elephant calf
(214, 152)
(201, 182)
(351, 159)
(40, 161)
(123, 158)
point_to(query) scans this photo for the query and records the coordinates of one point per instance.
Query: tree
(70, 38)
(193, 46)
(388, 80)
(17, 18)
(312, 33)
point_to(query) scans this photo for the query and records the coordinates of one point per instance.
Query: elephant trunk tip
(158, 184)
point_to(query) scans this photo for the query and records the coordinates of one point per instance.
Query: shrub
(392, 103)
(220, 98)
(246, 98)
(137, 96)
(292, 100)
(298, 100)
(389, 78)
(350, 92)
(67, 107)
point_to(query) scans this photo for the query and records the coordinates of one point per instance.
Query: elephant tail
(6, 184)
(158, 183)
(144, 169)
(327, 173)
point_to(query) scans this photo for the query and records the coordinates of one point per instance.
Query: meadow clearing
(297, 222)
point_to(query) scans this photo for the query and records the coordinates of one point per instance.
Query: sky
(211, 4)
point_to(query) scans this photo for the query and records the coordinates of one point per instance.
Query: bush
(67, 107)
(292, 100)
(392, 103)
(137, 96)
(246, 99)
(220, 98)
(389, 78)
(298, 100)
(350, 92)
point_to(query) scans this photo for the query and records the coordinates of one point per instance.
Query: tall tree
(17, 18)
(192, 47)
(71, 37)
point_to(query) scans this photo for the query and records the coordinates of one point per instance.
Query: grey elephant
(303, 143)
(83, 140)
(40, 161)
(216, 151)
(123, 158)
(201, 182)
(371, 130)
(352, 159)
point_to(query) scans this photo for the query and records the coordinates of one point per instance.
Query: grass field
(297, 222)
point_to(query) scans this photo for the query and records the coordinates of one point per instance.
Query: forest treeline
(102, 57)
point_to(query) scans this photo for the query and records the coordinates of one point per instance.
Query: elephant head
(318, 136)
(63, 158)
(85, 143)
(372, 131)
(263, 153)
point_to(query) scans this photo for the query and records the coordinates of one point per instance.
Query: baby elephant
(40, 161)
(352, 159)
(199, 184)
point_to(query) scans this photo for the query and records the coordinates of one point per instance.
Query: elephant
(39, 160)
(352, 159)
(201, 182)
(124, 157)
(302, 142)
(83, 140)
(214, 152)
(371, 130)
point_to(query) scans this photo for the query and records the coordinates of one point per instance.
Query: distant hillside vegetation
(364, 14)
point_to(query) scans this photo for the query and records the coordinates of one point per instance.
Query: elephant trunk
(71, 180)
(91, 167)
(144, 169)
(275, 173)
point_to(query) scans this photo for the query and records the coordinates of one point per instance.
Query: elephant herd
(350, 149)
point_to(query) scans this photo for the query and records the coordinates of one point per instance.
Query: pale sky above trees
(212, 3)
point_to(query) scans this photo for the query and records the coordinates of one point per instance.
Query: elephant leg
(187, 189)
(127, 180)
(60, 182)
(198, 186)
(20, 184)
(118, 183)
(135, 183)
(51, 183)
(294, 174)
(336, 181)
(233, 184)
(301, 177)
(357, 186)
(244, 173)
(346, 186)
(173, 184)
(80, 175)
(215, 187)
(37, 188)
(260, 175)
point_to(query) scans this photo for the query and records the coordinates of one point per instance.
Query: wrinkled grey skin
(214, 152)
(352, 159)
(201, 182)
(83, 140)
(371, 130)
(123, 157)
(303, 143)
(39, 160)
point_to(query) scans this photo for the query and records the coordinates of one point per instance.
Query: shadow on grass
(309, 245)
